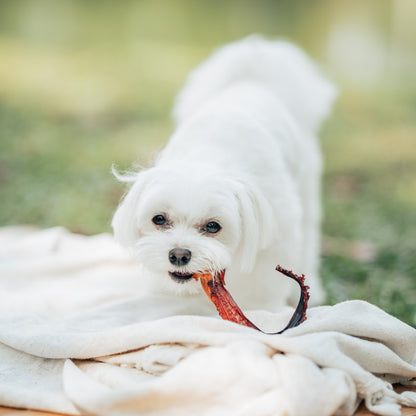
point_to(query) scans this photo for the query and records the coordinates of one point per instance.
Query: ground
(82, 88)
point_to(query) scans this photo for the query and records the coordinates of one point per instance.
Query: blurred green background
(84, 84)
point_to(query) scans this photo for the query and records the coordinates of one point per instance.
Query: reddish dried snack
(228, 309)
(221, 298)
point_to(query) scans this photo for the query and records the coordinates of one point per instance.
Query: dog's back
(279, 66)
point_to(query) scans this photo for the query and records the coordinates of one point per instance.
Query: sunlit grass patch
(91, 82)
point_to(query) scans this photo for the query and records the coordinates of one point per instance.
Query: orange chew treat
(221, 298)
(228, 309)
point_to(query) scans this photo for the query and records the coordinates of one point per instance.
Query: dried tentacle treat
(300, 312)
(228, 309)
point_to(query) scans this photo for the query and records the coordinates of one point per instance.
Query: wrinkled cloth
(80, 335)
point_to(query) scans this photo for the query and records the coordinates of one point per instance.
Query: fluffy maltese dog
(238, 185)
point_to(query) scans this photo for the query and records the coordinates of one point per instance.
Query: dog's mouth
(179, 277)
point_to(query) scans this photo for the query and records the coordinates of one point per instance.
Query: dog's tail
(280, 66)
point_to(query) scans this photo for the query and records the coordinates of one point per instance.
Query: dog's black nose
(179, 256)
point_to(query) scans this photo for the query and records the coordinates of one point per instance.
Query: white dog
(238, 185)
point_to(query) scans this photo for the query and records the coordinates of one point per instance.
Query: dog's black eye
(159, 220)
(212, 227)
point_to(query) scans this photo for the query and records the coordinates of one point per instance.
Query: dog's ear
(124, 221)
(258, 225)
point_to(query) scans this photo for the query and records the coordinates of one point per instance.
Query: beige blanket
(78, 335)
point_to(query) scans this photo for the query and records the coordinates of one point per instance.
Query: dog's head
(182, 221)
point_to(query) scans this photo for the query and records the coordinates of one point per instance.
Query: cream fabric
(78, 335)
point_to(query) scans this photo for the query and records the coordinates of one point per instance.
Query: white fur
(244, 154)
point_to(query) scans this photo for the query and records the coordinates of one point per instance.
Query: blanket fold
(79, 335)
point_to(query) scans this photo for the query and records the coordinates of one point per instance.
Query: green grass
(83, 87)
(58, 171)
(370, 197)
